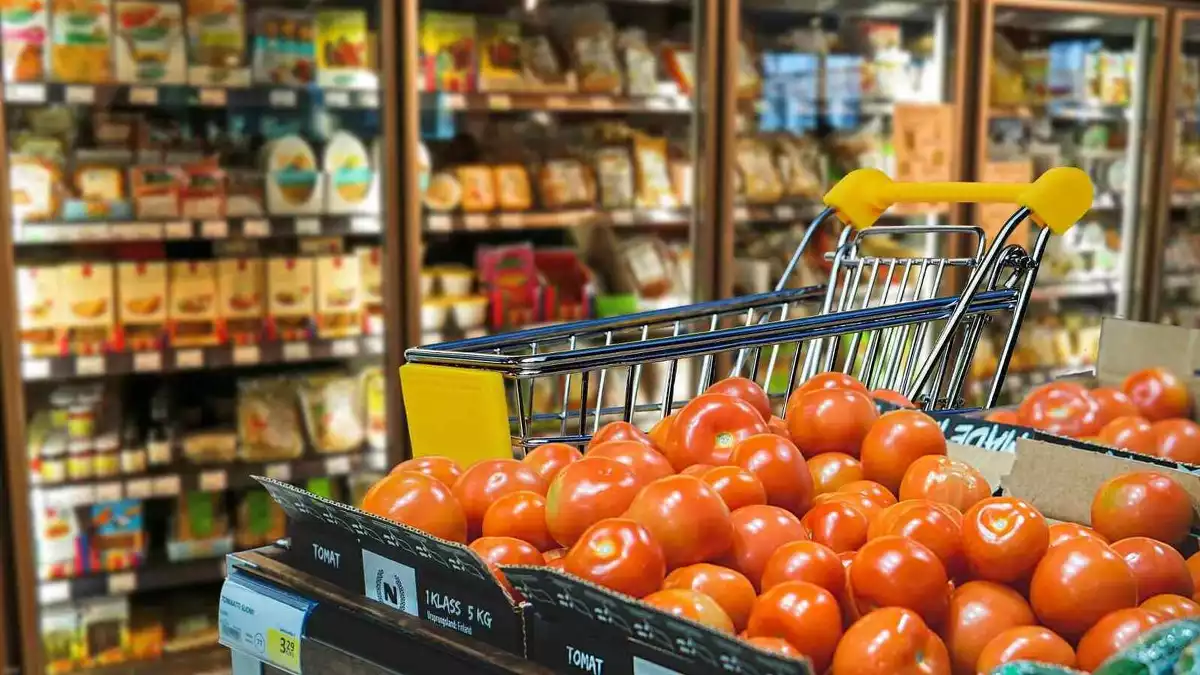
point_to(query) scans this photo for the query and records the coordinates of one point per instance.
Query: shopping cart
(885, 320)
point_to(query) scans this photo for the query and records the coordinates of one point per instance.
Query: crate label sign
(389, 582)
(982, 433)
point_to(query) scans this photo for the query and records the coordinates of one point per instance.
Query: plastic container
(433, 315)
(456, 281)
(469, 312)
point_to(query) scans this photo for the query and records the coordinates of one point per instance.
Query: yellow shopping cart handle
(1058, 198)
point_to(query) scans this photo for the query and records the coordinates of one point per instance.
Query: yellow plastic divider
(458, 413)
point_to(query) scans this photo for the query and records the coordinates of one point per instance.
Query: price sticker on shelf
(139, 488)
(282, 98)
(368, 99)
(365, 225)
(86, 366)
(108, 492)
(143, 96)
(453, 102)
(267, 624)
(337, 99)
(438, 223)
(147, 362)
(256, 228)
(81, 95)
(373, 344)
(500, 102)
(658, 103)
(337, 466)
(280, 471)
(247, 355)
(35, 369)
(166, 486)
(602, 103)
(25, 93)
(307, 227)
(52, 592)
(557, 102)
(214, 229)
(296, 351)
(189, 359)
(214, 481)
(741, 213)
(344, 347)
(216, 98)
(179, 230)
(122, 583)
(475, 221)
(785, 212)
(622, 217)
(510, 220)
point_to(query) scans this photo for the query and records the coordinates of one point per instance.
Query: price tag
(282, 98)
(214, 229)
(180, 230)
(741, 213)
(139, 488)
(256, 228)
(213, 97)
(438, 223)
(601, 103)
(189, 358)
(345, 347)
(499, 102)
(308, 226)
(122, 583)
(81, 95)
(510, 220)
(143, 96)
(147, 362)
(35, 369)
(337, 99)
(89, 366)
(213, 481)
(365, 225)
(373, 344)
(296, 351)
(622, 217)
(51, 592)
(166, 486)
(108, 492)
(246, 355)
(454, 102)
(656, 103)
(267, 627)
(785, 212)
(25, 93)
(281, 471)
(368, 99)
(337, 466)
(475, 221)
(137, 231)
(557, 102)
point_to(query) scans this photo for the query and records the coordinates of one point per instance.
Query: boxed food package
(339, 297)
(294, 183)
(513, 192)
(98, 192)
(61, 645)
(284, 51)
(142, 313)
(447, 52)
(217, 43)
(150, 42)
(60, 540)
(269, 426)
(90, 298)
(260, 521)
(203, 193)
(244, 193)
(23, 31)
(81, 41)
(199, 516)
(343, 50)
(370, 266)
(500, 55)
(350, 179)
(291, 301)
(240, 287)
(117, 537)
(34, 184)
(42, 307)
(105, 626)
(157, 191)
(192, 313)
(333, 415)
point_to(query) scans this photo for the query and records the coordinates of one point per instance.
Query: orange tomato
(893, 571)
(868, 506)
(1193, 563)
(895, 441)
(1112, 634)
(1130, 433)
(1157, 567)
(731, 589)
(1169, 607)
(686, 517)
(1004, 417)
(876, 492)
(547, 460)
(830, 420)
(891, 640)
(1004, 538)
(1177, 440)
(1062, 408)
(647, 464)
(520, 515)
(442, 469)
(1025, 643)
(944, 480)
(485, 482)
(618, 431)
(706, 430)
(778, 426)
(585, 492)
(497, 551)
(775, 646)
(1060, 532)
(661, 431)
(693, 605)
(745, 389)
(805, 561)
(831, 470)
(935, 526)
(1158, 393)
(1142, 504)
(1077, 583)
(840, 525)
(1112, 403)
(620, 555)
(781, 469)
(420, 502)
(697, 470)
(804, 614)
(757, 532)
(736, 486)
(892, 396)
(832, 380)
(979, 610)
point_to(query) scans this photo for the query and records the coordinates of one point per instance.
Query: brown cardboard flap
(1127, 346)
(993, 465)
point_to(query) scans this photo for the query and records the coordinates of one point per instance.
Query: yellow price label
(283, 650)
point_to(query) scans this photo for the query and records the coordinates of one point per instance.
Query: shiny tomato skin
(876, 492)
(778, 426)
(862, 501)
(686, 517)
(892, 396)
(497, 551)
(1158, 394)
(620, 555)
(893, 571)
(840, 525)
(780, 467)
(520, 515)
(689, 604)
(942, 479)
(442, 469)
(747, 390)
(730, 588)
(831, 380)
(619, 431)
(547, 460)
(804, 614)
(661, 431)
(805, 561)
(1157, 567)
(1142, 504)
(1131, 433)
(775, 646)
(1060, 532)
(1063, 408)
(647, 464)
(736, 486)
(697, 470)
(895, 441)
(1004, 538)
(1025, 643)
(1177, 440)
(420, 502)
(980, 610)
(1112, 403)
(891, 640)
(1079, 582)
(1170, 607)
(1193, 564)
(585, 492)
(830, 420)
(757, 532)
(1004, 417)
(1112, 634)
(934, 526)
(706, 430)
(485, 482)
(831, 470)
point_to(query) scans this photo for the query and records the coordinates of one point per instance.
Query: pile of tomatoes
(835, 533)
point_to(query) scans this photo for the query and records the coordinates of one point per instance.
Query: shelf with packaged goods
(208, 660)
(154, 96)
(784, 212)
(153, 576)
(265, 227)
(555, 102)
(1078, 111)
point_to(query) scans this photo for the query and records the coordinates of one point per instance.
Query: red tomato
(1112, 403)
(840, 525)
(892, 396)
(736, 486)
(706, 430)
(891, 640)
(585, 492)
(497, 551)
(485, 482)
(520, 515)
(1169, 607)
(895, 441)
(1004, 538)
(1025, 643)
(935, 526)
(1177, 440)
(757, 532)
(661, 431)
(547, 460)
(420, 502)
(1112, 634)
(645, 462)
(858, 499)
(805, 561)
(1193, 563)
(1158, 393)
(1142, 504)
(697, 470)
(775, 646)
(1004, 417)
(554, 554)
(804, 614)
(830, 420)
(781, 469)
(1062, 408)
(948, 481)
(831, 470)
(745, 389)
(899, 572)
(778, 426)
(1129, 433)
(686, 517)
(979, 610)
(620, 555)
(442, 469)
(828, 381)
(878, 494)
(1077, 583)
(693, 605)
(618, 431)
(1060, 532)
(1157, 567)
(732, 590)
